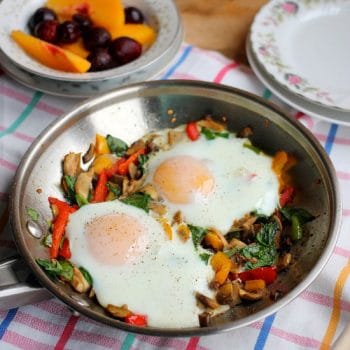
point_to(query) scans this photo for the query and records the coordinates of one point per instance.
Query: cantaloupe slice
(50, 55)
(105, 13)
(142, 33)
(77, 48)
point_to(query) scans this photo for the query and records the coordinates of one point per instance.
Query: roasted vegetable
(221, 264)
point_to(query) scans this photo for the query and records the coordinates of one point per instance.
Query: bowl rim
(147, 60)
(16, 195)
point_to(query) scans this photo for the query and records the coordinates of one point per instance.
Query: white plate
(305, 46)
(161, 14)
(294, 100)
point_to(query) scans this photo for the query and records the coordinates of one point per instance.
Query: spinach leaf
(70, 193)
(86, 275)
(47, 240)
(197, 234)
(56, 268)
(116, 145)
(81, 200)
(205, 257)
(303, 215)
(142, 160)
(252, 148)
(211, 134)
(264, 255)
(33, 214)
(267, 233)
(139, 200)
(114, 188)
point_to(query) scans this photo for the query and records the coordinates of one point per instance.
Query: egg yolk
(179, 178)
(116, 239)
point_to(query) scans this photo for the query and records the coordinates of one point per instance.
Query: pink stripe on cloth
(343, 175)
(337, 140)
(223, 71)
(37, 323)
(184, 76)
(192, 344)
(343, 252)
(321, 299)
(26, 99)
(174, 343)
(23, 342)
(68, 329)
(8, 165)
(291, 337)
(54, 307)
(346, 212)
(20, 135)
(95, 338)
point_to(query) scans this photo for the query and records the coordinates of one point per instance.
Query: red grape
(84, 22)
(133, 15)
(68, 32)
(125, 50)
(40, 15)
(100, 59)
(47, 30)
(96, 37)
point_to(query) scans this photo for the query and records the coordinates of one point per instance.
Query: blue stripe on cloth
(128, 341)
(264, 332)
(6, 321)
(330, 138)
(22, 117)
(178, 63)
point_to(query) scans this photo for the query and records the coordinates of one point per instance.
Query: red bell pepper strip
(114, 168)
(65, 250)
(136, 320)
(124, 166)
(101, 189)
(267, 273)
(287, 195)
(192, 131)
(59, 224)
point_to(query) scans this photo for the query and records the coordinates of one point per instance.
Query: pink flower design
(293, 79)
(263, 51)
(290, 7)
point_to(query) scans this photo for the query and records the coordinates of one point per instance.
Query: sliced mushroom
(175, 136)
(71, 164)
(158, 208)
(89, 153)
(119, 311)
(245, 132)
(136, 146)
(236, 243)
(209, 123)
(133, 171)
(78, 282)
(228, 294)
(204, 319)
(117, 179)
(84, 183)
(131, 186)
(151, 191)
(184, 232)
(177, 218)
(252, 296)
(206, 301)
(92, 293)
(284, 261)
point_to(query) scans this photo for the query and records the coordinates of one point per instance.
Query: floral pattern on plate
(269, 21)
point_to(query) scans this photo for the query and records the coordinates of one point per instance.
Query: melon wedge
(50, 55)
(142, 33)
(105, 13)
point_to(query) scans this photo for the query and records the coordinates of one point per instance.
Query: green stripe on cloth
(22, 117)
(266, 94)
(128, 341)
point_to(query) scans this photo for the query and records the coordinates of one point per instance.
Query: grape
(84, 22)
(40, 15)
(47, 30)
(125, 50)
(68, 32)
(100, 59)
(96, 37)
(133, 15)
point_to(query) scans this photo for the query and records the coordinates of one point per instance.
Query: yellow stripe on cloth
(335, 316)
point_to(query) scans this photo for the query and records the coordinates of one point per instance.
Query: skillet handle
(18, 286)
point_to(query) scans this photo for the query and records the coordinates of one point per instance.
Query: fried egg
(132, 262)
(214, 182)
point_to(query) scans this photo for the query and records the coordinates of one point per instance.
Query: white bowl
(162, 15)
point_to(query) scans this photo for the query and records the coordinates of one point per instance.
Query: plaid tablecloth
(313, 320)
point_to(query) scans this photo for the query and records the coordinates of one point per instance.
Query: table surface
(313, 320)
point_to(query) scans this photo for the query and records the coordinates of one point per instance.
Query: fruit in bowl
(85, 35)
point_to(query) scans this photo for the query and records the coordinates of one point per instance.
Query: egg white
(160, 284)
(244, 181)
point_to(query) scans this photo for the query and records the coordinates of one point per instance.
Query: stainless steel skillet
(132, 111)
